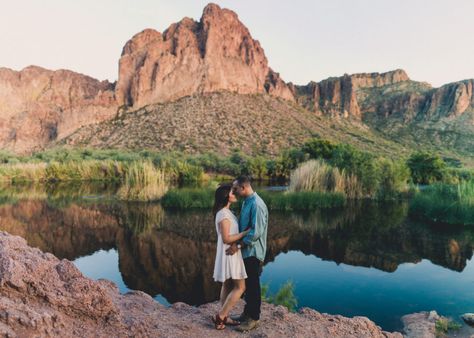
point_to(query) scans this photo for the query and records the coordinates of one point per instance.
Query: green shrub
(426, 168)
(318, 148)
(444, 325)
(285, 296)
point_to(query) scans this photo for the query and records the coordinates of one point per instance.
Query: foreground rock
(420, 325)
(468, 318)
(44, 296)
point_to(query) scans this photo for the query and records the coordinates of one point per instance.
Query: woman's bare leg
(225, 290)
(233, 297)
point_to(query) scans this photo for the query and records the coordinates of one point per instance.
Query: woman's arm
(225, 228)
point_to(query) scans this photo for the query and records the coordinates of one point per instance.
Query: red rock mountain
(38, 105)
(215, 54)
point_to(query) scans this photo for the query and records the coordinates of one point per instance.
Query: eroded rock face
(38, 106)
(337, 97)
(43, 296)
(450, 100)
(217, 53)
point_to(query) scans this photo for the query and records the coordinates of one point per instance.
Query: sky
(304, 40)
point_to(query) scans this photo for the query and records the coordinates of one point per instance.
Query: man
(254, 215)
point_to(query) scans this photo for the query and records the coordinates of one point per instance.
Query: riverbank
(42, 295)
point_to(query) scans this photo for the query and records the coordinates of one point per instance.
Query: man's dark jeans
(253, 296)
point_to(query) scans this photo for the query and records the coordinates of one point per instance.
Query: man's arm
(258, 221)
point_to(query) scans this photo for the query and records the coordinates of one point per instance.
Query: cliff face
(337, 97)
(217, 53)
(38, 106)
(451, 100)
(390, 94)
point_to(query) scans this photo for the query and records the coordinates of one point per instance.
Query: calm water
(368, 259)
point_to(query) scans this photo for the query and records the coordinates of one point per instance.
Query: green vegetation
(443, 203)
(426, 168)
(188, 198)
(92, 170)
(444, 325)
(285, 296)
(143, 182)
(330, 170)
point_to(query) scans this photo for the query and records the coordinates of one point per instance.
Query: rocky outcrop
(44, 296)
(38, 106)
(450, 100)
(337, 97)
(420, 325)
(217, 53)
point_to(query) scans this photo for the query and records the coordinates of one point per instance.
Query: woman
(228, 269)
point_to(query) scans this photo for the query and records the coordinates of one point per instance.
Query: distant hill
(206, 85)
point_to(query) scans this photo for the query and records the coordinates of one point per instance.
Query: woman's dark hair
(221, 197)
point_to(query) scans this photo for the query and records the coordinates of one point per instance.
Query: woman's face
(232, 198)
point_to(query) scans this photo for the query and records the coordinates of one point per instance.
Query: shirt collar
(248, 198)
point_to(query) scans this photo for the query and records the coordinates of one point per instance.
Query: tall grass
(442, 203)
(317, 176)
(22, 172)
(143, 182)
(189, 198)
(62, 171)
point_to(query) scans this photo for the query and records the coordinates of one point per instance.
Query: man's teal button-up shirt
(254, 214)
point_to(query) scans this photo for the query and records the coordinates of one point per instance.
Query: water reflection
(172, 253)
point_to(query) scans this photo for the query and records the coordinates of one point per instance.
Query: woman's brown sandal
(219, 323)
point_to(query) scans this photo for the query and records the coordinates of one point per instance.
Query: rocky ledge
(43, 296)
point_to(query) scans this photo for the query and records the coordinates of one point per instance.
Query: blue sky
(304, 40)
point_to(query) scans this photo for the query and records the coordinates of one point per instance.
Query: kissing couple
(241, 248)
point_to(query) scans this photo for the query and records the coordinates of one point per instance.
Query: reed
(90, 170)
(143, 182)
(22, 172)
(204, 198)
(317, 176)
(442, 203)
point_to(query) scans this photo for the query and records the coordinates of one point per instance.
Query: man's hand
(232, 249)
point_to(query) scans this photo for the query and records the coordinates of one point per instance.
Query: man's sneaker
(248, 325)
(242, 318)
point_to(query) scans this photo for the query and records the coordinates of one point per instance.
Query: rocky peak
(217, 53)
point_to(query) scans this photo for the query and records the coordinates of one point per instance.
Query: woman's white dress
(227, 266)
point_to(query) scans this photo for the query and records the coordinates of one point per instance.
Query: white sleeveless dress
(227, 266)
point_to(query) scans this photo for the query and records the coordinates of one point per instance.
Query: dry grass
(143, 182)
(318, 176)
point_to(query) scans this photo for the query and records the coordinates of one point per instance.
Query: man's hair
(243, 180)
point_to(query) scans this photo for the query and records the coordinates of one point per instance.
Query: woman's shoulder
(224, 213)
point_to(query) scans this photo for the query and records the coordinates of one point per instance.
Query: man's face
(237, 189)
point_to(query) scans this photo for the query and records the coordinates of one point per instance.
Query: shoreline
(44, 296)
